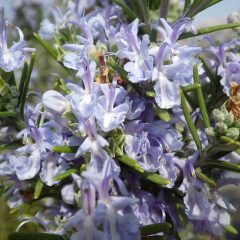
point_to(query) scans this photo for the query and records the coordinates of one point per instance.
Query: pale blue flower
(109, 116)
(10, 58)
(140, 63)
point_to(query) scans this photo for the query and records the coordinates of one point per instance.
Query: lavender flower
(108, 116)
(140, 63)
(10, 58)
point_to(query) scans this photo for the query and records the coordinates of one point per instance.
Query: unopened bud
(233, 133)
(218, 115)
(221, 127)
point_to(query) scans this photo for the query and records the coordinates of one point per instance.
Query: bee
(233, 103)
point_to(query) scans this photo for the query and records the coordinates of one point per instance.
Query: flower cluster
(122, 147)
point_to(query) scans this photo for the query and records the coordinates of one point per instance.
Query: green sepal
(65, 174)
(231, 229)
(38, 189)
(163, 114)
(155, 228)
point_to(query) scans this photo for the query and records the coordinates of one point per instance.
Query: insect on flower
(233, 104)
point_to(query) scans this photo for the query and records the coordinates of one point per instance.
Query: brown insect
(103, 69)
(233, 104)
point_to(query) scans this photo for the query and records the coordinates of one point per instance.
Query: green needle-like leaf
(230, 141)
(26, 85)
(152, 177)
(64, 175)
(7, 114)
(48, 48)
(200, 98)
(10, 145)
(132, 16)
(38, 189)
(22, 81)
(155, 228)
(228, 166)
(207, 30)
(34, 236)
(205, 178)
(191, 87)
(130, 163)
(65, 149)
(190, 123)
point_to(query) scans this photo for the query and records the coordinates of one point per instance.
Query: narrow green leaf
(64, 175)
(34, 236)
(38, 189)
(207, 30)
(224, 165)
(190, 123)
(26, 85)
(162, 113)
(230, 141)
(23, 205)
(48, 48)
(205, 178)
(142, 12)
(65, 149)
(186, 5)
(8, 114)
(132, 16)
(200, 5)
(152, 177)
(10, 145)
(155, 178)
(130, 163)
(22, 80)
(213, 80)
(195, 7)
(155, 228)
(200, 98)
(191, 87)
(231, 230)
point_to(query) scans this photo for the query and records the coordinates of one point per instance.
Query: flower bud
(55, 102)
(233, 133)
(229, 119)
(210, 132)
(218, 115)
(221, 127)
